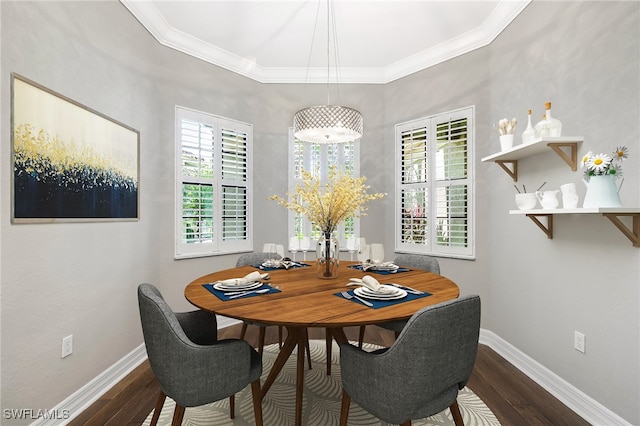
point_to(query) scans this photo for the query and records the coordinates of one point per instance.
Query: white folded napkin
(371, 283)
(249, 278)
(377, 264)
(274, 263)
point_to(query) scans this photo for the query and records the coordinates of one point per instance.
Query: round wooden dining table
(304, 300)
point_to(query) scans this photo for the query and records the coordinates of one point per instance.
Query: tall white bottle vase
(529, 134)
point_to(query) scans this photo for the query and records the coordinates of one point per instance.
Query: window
(434, 188)
(213, 184)
(317, 159)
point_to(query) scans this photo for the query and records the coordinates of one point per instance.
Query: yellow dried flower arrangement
(327, 205)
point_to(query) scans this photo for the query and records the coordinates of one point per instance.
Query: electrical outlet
(579, 341)
(67, 346)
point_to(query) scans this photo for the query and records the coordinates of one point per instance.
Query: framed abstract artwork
(70, 163)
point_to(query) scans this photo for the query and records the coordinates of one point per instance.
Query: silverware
(346, 295)
(407, 289)
(244, 293)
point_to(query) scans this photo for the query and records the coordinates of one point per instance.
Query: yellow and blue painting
(70, 163)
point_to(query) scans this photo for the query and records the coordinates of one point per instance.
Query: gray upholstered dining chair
(421, 373)
(418, 261)
(414, 261)
(254, 259)
(191, 365)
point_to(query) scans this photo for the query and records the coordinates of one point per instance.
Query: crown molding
(149, 16)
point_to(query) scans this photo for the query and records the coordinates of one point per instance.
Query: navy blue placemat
(377, 304)
(221, 294)
(373, 271)
(274, 268)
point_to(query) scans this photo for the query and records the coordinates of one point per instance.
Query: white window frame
(218, 244)
(323, 163)
(432, 185)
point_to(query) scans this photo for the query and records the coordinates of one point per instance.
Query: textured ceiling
(285, 41)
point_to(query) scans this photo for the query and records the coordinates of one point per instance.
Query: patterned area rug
(321, 401)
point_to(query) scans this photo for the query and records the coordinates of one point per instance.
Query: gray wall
(588, 277)
(80, 279)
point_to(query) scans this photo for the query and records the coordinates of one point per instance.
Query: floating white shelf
(580, 210)
(611, 213)
(538, 146)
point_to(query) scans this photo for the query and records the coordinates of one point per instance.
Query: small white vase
(601, 192)
(529, 133)
(569, 196)
(506, 142)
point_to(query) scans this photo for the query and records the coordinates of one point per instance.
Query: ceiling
(285, 41)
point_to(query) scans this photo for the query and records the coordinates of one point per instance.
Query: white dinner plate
(369, 294)
(385, 289)
(242, 287)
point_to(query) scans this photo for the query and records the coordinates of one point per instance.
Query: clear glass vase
(327, 256)
(554, 125)
(548, 126)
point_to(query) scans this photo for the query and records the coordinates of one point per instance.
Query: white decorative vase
(601, 192)
(506, 142)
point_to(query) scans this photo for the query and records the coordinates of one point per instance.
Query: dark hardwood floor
(513, 397)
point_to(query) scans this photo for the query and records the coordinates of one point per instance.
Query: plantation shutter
(434, 185)
(234, 185)
(197, 141)
(414, 172)
(317, 159)
(452, 183)
(213, 184)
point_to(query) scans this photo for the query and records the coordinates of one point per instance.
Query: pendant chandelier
(328, 123)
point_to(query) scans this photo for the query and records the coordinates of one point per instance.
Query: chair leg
(344, 408)
(407, 423)
(455, 412)
(280, 337)
(232, 407)
(308, 349)
(158, 409)
(178, 414)
(361, 336)
(261, 340)
(257, 401)
(329, 341)
(243, 331)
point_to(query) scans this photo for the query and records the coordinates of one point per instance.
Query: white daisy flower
(599, 163)
(586, 158)
(621, 153)
(616, 170)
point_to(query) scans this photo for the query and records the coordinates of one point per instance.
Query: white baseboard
(581, 403)
(585, 406)
(75, 404)
(92, 391)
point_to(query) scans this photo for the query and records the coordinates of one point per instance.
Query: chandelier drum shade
(327, 124)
